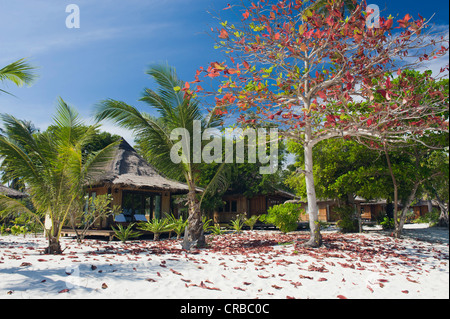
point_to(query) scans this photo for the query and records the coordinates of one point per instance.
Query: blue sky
(117, 40)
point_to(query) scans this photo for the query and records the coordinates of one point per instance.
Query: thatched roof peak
(11, 192)
(128, 169)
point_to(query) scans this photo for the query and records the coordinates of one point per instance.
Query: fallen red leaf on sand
(341, 297)
(25, 264)
(104, 286)
(322, 279)
(405, 291)
(150, 280)
(63, 291)
(412, 280)
(290, 297)
(175, 272)
(239, 288)
(277, 287)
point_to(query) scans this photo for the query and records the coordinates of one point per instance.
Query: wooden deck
(91, 232)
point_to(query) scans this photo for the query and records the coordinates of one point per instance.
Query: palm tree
(53, 166)
(19, 73)
(176, 110)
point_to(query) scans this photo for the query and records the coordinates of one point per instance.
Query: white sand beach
(254, 264)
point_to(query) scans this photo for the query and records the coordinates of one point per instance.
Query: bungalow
(239, 204)
(12, 193)
(136, 186)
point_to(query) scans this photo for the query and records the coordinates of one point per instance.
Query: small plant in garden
(177, 225)
(206, 224)
(237, 223)
(284, 216)
(250, 222)
(125, 234)
(156, 226)
(217, 230)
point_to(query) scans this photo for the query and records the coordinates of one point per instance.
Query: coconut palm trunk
(194, 234)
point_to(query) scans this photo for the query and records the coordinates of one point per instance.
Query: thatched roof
(11, 192)
(128, 169)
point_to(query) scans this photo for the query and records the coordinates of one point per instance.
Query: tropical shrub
(347, 220)
(237, 224)
(250, 222)
(217, 230)
(156, 226)
(177, 225)
(125, 234)
(387, 223)
(284, 217)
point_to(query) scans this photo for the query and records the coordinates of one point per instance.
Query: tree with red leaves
(318, 76)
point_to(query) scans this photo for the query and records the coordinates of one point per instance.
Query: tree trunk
(54, 246)
(443, 218)
(53, 235)
(397, 230)
(399, 226)
(313, 211)
(194, 235)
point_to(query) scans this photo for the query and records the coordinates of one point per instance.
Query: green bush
(284, 216)
(431, 217)
(388, 223)
(347, 222)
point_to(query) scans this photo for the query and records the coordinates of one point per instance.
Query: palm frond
(19, 72)
(9, 206)
(220, 182)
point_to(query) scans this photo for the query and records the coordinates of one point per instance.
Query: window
(230, 206)
(138, 203)
(234, 206)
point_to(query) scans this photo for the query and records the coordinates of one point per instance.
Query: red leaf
(277, 287)
(223, 34)
(63, 291)
(175, 272)
(341, 297)
(405, 291)
(246, 15)
(389, 23)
